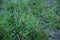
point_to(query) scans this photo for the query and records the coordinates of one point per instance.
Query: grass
(20, 19)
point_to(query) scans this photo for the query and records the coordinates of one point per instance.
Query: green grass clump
(20, 19)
